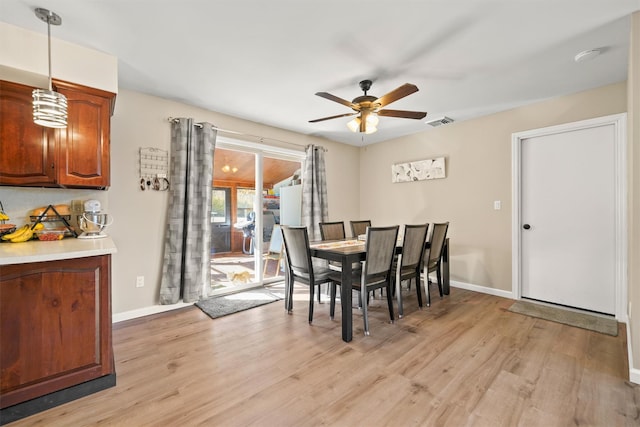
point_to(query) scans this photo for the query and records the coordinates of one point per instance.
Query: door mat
(227, 304)
(591, 322)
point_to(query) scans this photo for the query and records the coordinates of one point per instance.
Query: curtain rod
(260, 138)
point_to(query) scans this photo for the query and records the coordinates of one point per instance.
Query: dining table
(349, 251)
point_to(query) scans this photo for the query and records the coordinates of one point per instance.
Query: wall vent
(441, 121)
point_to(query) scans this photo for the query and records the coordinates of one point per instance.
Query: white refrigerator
(291, 205)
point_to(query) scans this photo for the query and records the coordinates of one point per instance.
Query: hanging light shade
(49, 107)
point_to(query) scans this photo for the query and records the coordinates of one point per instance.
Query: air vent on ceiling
(440, 121)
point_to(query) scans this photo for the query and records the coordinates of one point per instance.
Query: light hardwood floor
(465, 360)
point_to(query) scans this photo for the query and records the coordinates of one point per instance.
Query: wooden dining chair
(335, 231)
(380, 249)
(432, 258)
(332, 230)
(275, 251)
(408, 263)
(359, 227)
(299, 265)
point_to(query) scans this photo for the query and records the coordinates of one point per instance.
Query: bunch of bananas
(3, 216)
(23, 233)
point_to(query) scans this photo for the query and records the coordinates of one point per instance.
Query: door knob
(526, 226)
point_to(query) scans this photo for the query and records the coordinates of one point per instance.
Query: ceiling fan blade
(394, 95)
(332, 117)
(334, 98)
(402, 114)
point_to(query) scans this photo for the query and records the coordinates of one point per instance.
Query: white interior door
(568, 218)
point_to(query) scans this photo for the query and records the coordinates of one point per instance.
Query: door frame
(619, 121)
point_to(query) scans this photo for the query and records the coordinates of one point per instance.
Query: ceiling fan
(368, 107)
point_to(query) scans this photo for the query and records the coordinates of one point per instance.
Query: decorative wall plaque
(418, 171)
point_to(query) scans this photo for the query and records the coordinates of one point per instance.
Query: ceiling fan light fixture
(371, 124)
(49, 107)
(370, 107)
(354, 125)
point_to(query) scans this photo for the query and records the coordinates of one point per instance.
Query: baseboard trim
(155, 309)
(634, 373)
(147, 311)
(56, 398)
(482, 289)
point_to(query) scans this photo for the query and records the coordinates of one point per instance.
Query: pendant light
(49, 107)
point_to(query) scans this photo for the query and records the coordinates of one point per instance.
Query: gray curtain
(315, 207)
(187, 260)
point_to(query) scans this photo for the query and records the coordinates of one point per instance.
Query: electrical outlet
(139, 281)
(497, 205)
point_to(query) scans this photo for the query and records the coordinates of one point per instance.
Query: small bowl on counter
(6, 229)
(50, 235)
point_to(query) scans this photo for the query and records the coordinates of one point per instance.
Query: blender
(93, 221)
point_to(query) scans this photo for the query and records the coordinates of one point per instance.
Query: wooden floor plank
(466, 360)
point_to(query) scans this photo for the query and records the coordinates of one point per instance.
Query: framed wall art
(419, 170)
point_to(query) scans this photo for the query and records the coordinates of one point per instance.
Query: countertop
(37, 251)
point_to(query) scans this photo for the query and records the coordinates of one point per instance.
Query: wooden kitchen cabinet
(55, 326)
(84, 146)
(27, 151)
(75, 157)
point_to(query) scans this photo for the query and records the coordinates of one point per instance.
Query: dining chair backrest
(296, 243)
(380, 248)
(436, 245)
(415, 237)
(359, 227)
(275, 244)
(332, 230)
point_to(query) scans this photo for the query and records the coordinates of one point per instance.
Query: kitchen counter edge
(68, 248)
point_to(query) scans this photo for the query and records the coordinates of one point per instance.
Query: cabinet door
(84, 146)
(26, 149)
(55, 328)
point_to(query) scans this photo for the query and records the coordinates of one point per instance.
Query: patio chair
(274, 253)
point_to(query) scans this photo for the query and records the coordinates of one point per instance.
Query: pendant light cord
(49, 47)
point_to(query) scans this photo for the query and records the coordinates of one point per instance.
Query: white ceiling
(264, 60)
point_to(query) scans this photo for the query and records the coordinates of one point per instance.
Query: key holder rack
(153, 169)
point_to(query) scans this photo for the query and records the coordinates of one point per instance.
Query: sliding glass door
(246, 246)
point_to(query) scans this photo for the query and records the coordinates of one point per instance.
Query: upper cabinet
(84, 146)
(75, 157)
(27, 155)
